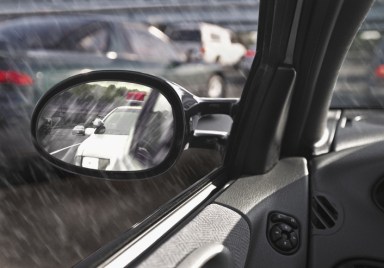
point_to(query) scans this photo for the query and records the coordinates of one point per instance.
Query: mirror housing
(168, 90)
(186, 111)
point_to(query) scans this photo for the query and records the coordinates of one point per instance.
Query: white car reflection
(108, 147)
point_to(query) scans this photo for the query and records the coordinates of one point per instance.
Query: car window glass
(41, 202)
(215, 37)
(236, 39)
(96, 41)
(124, 44)
(120, 122)
(151, 48)
(35, 33)
(185, 35)
(361, 78)
(90, 38)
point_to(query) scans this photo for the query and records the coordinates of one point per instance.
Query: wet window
(50, 217)
(40, 33)
(358, 97)
(96, 41)
(361, 78)
(144, 41)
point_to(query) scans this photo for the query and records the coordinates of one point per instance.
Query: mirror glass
(107, 125)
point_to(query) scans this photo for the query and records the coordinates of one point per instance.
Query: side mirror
(131, 140)
(98, 122)
(78, 130)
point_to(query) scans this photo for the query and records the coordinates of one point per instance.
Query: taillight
(380, 71)
(138, 96)
(202, 50)
(250, 53)
(16, 78)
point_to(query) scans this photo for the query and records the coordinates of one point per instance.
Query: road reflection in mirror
(107, 125)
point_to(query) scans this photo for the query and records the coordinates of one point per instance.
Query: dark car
(41, 51)
(38, 52)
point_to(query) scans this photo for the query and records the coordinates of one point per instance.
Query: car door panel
(284, 189)
(206, 228)
(329, 216)
(347, 223)
(245, 229)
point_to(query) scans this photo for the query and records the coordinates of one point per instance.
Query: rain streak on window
(52, 218)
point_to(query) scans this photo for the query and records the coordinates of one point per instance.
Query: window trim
(215, 182)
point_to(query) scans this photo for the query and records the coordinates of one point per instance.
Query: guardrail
(231, 13)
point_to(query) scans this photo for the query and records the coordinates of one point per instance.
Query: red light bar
(136, 95)
(16, 78)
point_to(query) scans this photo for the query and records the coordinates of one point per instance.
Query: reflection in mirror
(107, 125)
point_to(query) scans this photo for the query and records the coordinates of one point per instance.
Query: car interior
(302, 180)
(301, 185)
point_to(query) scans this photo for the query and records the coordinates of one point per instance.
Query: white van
(212, 43)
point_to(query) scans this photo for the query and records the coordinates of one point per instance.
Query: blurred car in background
(38, 52)
(212, 43)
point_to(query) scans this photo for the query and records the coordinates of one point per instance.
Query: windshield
(120, 122)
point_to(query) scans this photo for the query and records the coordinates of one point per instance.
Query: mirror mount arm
(207, 106)
(215, 140)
